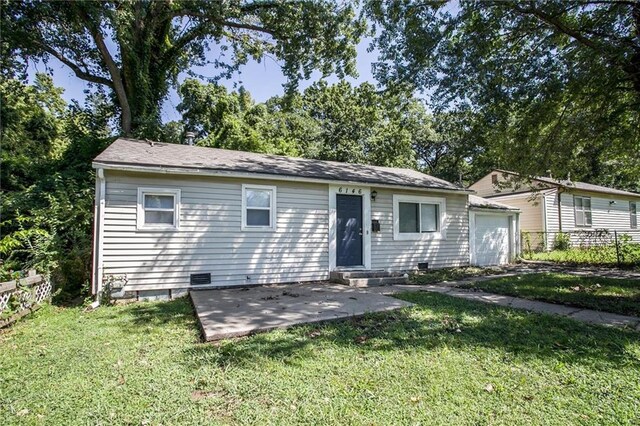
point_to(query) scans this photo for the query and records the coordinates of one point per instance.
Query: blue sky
(263, 80)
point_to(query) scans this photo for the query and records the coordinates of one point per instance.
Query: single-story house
(176, 217)
(549, 206)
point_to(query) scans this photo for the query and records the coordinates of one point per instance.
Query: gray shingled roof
(154, 155)
(588, 187)
(577, 185)
(483, 203)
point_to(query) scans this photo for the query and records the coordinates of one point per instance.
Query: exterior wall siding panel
(210, 239)
(387, 253)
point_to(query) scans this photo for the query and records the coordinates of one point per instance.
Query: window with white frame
(418, 218)
(633, 213)
(158, 208)
(582, 206)
(258, 207)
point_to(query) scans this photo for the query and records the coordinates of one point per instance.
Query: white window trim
(633, 217)
(441, 234)
(142, 226)
(575, 211)
(274, 208)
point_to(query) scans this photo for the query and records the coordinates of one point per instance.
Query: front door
(349, 230)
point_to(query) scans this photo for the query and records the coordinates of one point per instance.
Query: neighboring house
(549, 206)
(176, 217)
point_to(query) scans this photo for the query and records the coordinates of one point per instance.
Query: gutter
(249, 175)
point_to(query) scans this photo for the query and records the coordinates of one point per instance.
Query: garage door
(491, 240)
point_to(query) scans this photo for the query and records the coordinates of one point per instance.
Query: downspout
(99, 231)
(544, 221)
(517, 237)
(560, 191)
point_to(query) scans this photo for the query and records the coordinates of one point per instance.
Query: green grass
(596, 256)
(444, 361)
(620, 296)
(452, 274)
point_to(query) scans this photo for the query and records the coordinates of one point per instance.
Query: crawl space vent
(200, 279)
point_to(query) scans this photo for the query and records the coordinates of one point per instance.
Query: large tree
(337, 122)
(555, 84)
(137, 49)
(232, 120)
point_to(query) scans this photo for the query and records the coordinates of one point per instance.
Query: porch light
(374, 194)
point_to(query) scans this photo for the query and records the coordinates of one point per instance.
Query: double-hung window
(418, 218)
(258, 207)
(158, 209)
(633, 214)
(582, 206)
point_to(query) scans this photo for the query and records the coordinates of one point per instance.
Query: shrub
(562, 241)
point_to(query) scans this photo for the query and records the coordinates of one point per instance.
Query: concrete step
(375, 282)
(368, 278)
(365, 274)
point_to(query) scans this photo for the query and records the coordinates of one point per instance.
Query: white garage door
(491, 240)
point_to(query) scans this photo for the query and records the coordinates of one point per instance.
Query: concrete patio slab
(239, 312)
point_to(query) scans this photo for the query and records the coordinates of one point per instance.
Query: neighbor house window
(258, 207)
(582, 207)
(158, 208)
(633, 213)
(417, 218)
(494, 179)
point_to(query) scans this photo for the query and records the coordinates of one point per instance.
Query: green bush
(48, 183)
(562, 241)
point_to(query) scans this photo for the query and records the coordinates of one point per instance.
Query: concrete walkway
(585, 315)
(239, 312)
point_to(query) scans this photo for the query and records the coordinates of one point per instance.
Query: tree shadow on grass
(436, 321)
(174, 312)
(621, 296)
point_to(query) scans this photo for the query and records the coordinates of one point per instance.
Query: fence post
(615, 235)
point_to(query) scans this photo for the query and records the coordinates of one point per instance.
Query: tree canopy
(554, 84)
(337, 122)
(137, 49)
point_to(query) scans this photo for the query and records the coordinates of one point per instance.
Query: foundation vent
(200, 279)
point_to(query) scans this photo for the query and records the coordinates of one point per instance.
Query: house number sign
(347, 190)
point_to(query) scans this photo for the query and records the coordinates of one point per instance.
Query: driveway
(239, 312)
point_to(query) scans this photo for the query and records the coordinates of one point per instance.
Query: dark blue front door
(349, 230)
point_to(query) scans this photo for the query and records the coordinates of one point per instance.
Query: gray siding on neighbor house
(604, 215)
(387, 253)
(210, 237)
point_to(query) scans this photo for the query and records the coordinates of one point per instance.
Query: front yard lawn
(444, 361)
(621, 296)
(592, 256)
